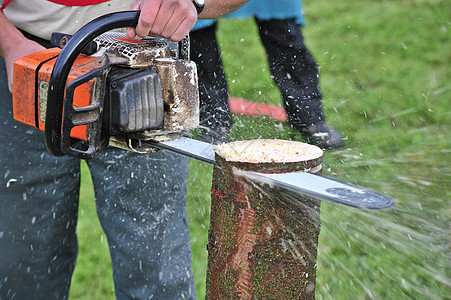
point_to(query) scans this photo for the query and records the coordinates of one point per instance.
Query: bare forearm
(14, 45)
(9, 36)
(217, 8)
(173, 19)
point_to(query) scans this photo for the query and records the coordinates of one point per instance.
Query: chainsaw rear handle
(63, 65)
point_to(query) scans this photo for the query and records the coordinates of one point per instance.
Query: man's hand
(171, 19)
(21, 49)
(13, 45)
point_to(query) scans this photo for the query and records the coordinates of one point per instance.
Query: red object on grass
(249, 108)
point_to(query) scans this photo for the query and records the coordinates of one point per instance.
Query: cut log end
(269, 156)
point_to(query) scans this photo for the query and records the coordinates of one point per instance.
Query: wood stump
(262, 242)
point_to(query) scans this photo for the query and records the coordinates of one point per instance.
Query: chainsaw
(126, 91)
(104, 89)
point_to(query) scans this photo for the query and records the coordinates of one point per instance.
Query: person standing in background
(293, 67)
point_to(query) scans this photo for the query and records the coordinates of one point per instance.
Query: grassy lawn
(386, 83)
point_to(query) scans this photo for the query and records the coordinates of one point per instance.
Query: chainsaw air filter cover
(136, 100)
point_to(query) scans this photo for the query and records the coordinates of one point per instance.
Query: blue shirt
(264, 10)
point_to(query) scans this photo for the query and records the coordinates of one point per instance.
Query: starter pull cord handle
(63, 65)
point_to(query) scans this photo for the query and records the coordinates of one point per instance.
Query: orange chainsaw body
(30, 86)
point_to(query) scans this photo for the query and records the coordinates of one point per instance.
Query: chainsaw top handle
(63, 65)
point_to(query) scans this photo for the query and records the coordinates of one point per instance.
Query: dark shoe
(322, 135)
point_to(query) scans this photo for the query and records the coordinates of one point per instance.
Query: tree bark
(262, 242)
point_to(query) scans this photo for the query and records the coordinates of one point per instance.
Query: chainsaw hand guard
(90, 115)
(58, 78)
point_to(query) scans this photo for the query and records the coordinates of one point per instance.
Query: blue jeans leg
(38, 211)
(141, 206)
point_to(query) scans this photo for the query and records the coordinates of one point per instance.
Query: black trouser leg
(214, 108)
(294, 69)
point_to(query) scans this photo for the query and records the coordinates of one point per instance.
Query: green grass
(386, 83)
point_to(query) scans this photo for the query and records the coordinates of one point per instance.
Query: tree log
(262, 242)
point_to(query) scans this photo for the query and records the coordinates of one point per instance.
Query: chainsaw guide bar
(307, 184)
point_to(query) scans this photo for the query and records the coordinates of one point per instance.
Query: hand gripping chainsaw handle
(61, 116)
